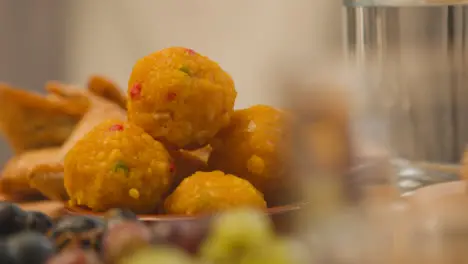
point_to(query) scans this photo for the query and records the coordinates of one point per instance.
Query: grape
(277, 251)
(124, 238)
(12, 219)
(185, 234)
(75, 256)
(37, 221)
(30, 248)
(235, 233)
(159, 254)
(78, 231)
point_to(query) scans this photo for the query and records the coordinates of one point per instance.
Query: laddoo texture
(254, 147)
(180, 97)
(208, 192)
(118, 165)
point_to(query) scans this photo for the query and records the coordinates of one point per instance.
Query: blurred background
(69, 40)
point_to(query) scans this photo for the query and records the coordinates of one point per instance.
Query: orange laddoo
(117, 164)
(254, 147)
(208, 192)
(180, 97)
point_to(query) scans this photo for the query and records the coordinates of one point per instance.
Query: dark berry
(5, 255)
(37, 221)
(91, 240)
(12, 219)
(78, 232)
(30, 248)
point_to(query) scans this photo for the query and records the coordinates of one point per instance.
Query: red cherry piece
(191, 51)
(116, 127)
(171, 96)
(171, 167)
(135, 92)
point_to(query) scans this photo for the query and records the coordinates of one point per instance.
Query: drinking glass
(417, 51)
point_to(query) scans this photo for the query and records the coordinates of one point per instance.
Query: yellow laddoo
(180, 97)
(118, 165)
(254, 147)
(207, 192)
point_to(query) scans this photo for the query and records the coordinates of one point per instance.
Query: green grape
(159, 254)
(277, 251)
(235, 233)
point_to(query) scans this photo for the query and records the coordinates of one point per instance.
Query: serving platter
(281, 216)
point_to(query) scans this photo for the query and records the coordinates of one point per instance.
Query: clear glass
(418, 57)
(372, 96)
(340, 156)
(415, 58)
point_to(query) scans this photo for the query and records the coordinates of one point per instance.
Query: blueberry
(30, 248)
(5, 255)
(37, 221)
(12, 219)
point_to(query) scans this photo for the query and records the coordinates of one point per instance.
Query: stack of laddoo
(183, 148)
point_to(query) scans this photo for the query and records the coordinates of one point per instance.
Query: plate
(282, 216)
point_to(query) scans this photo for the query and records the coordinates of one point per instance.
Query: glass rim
(403, 3)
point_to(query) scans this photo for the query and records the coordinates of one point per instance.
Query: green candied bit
(120, 165)
(185, 69)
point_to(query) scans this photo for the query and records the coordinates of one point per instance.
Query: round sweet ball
(118, 165)
(209, 192)
(180, 97)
